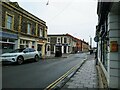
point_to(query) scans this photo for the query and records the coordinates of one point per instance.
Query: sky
(76, 17)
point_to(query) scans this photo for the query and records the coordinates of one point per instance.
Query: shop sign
(8, 35)
(113, 46)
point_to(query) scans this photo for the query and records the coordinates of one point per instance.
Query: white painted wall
(114, 57)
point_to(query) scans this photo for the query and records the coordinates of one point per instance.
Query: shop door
(64, 49)
(39, 49)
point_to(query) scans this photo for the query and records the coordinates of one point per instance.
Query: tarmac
(86, 77)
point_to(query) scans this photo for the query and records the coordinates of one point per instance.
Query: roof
(56, 35)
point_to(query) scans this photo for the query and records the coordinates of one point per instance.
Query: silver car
(20, 55)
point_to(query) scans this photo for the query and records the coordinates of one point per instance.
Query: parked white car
(20, 55)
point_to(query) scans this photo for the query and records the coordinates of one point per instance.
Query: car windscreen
(17, 50)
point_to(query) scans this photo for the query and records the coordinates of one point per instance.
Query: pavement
(85, 77)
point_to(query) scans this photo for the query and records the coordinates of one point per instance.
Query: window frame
(12, 22)
(49, 39)
(40, 32)
(59, 39)
(29, 28)
(65, 39)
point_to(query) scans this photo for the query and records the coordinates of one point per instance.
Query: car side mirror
(25, 51)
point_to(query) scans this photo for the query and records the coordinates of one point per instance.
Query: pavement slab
(85, 77)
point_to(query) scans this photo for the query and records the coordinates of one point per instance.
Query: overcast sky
(76, 17)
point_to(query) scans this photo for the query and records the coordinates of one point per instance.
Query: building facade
(85, 46)
(21, 29)
(108, 41)
(59, 40)
(67, 43)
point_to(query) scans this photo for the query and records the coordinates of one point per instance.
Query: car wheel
(36, 58)
(20, 60)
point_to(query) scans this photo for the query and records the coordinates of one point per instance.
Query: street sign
(96, 39)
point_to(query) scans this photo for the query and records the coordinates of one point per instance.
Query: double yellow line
(51, 86)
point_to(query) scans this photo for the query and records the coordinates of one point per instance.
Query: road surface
(38, 74)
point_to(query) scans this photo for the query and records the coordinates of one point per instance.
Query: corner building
(21, 29)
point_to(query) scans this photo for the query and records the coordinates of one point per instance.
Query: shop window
(21, 42)
(39, 47)
(11, 40)
(21, 46)
(7, 46)
(26, 42)
(4, 39)
(33, 44)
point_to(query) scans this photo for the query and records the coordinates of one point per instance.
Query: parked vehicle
(20, 55)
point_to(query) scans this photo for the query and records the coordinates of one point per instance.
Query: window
(39, 47)
(4, 39)
(11, 40)
(9, 21)
(65, 40)
(48, 39)
(58, 40)
(33, 44)
(28, 28)
(33, 30)
(41, 33)
(21, 41)
(48, 48)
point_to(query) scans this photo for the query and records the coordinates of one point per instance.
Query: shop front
(8, 41)
(41, 47)
(25, 42)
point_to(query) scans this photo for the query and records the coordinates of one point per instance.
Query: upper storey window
(9, 21)
(28, 28)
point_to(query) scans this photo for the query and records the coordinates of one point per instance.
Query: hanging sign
(113, 46)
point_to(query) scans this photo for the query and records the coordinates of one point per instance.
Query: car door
(32, 52)
(26, 54)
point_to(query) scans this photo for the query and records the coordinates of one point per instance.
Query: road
(38, 74)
